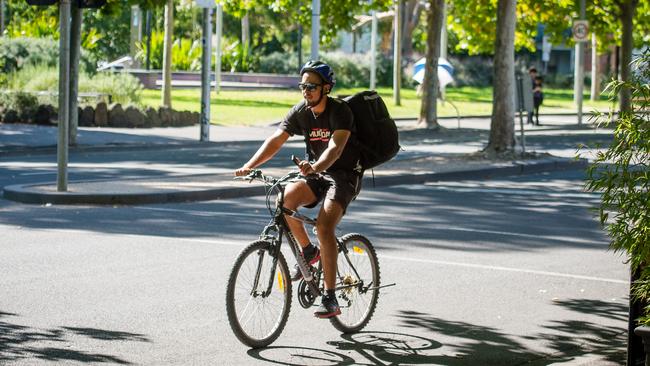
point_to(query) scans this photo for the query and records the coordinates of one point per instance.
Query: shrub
(351, 70)
(279, 63)
(24, 104)
(622, 175)
(16, 53)
(472, 70)
(123, 87)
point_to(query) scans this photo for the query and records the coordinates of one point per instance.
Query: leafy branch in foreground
(622, 175)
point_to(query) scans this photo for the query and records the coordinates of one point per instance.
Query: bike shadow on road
(362, 348)
(20, 342)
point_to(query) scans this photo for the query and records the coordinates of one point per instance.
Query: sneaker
(295, 272)
(328, 308)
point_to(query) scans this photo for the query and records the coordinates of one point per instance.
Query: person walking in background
(538, 98)
(532, 73)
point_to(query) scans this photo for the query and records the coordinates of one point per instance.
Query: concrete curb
(30, 194)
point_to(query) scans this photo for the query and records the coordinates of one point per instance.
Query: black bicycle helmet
(326, 73)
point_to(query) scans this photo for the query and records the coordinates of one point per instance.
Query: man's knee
(297, 194)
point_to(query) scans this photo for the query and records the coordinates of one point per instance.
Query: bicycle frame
(278, 227)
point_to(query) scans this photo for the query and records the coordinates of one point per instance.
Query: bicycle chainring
(305, 297)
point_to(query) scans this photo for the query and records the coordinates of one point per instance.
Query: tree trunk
(167, 55)
(430, 85)
(628, 8)
(411, 20)
(502, 127)
(2, 17)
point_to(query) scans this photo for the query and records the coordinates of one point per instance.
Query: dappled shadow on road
(19, 342)
(607, 341)
(564, 339)
(528, 213)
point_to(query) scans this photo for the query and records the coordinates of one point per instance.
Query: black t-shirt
(337, 116)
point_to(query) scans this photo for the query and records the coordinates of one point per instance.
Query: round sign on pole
(580, 30)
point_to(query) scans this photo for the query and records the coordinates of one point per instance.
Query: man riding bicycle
(332, 174)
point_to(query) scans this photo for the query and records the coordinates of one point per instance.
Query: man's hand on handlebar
(305, 167)
(243, 171)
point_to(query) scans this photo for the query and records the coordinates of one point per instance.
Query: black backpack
(376, 133)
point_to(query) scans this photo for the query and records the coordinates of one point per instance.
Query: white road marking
(242, 243)
(506, 269)
(202, 213)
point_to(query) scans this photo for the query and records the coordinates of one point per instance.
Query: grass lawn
(260, 107)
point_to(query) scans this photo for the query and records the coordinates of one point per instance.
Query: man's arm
(330, 155)
(268, 149)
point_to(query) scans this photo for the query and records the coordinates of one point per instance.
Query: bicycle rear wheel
(358, 266)
(257, 319)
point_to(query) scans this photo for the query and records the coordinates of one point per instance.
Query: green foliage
(350, 70)
(123, 87)
(472, 23)
(279, 63)
(31, 21)
(24, 104)
(235, 59)
(186, 54)
(336, 15)
(16, 53)
(472, 71)
(622, 175)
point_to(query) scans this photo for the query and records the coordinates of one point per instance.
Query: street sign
(580, 30)
(206, 3)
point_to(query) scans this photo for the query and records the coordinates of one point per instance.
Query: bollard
(644, 332)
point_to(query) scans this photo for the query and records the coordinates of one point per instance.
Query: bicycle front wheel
(257, 316)
(358, 274)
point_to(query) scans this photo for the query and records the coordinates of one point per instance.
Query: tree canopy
(473, 23)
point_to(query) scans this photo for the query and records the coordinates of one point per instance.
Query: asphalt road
(497, 272)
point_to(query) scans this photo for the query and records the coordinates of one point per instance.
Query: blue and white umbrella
(445, 71)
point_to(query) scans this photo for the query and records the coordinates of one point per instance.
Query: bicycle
(259, 292)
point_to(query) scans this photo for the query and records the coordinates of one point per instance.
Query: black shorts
(339, 186)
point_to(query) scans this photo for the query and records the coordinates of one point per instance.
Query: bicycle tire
(240, 284)
(360, 249)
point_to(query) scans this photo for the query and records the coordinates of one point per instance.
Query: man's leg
(328, 217)
(296, 195)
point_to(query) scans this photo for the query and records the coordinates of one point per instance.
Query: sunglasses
(308, 86)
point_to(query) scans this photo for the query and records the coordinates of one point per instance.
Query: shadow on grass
(19, 342)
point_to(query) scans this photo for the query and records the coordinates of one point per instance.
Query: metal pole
(64, 95)
(373, 51)
(148, 30)
(299, 47)
(578, 84)
(75, 49)
(205, 74)
(136, 31)
(397, 53)
(315, 28)
(595, 82)
(217, 60)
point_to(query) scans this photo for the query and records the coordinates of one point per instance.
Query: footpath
(451, 153)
